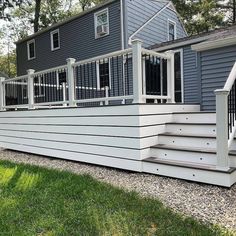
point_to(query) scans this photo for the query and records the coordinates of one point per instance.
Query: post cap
(136, 41)
(221, 91)
(71, 60)
(30, 71)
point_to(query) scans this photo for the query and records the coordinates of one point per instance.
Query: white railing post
(222, 129)
(2, 94)
(30, 83)
(171, 77)
(107, 95)
(137, 71)
(71, 81)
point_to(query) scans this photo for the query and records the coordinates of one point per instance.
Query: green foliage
(38, 201)
(200, 16)
(8, 64)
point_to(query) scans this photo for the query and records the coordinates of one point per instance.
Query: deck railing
(132, 75)
(225, 119)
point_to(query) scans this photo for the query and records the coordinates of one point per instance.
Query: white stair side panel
(204, 176)
(191, 129)
(195, 118)
(184, 156)
(125, 164)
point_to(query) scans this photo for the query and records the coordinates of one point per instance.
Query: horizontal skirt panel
(83, 111)
(81, 157)
(107, 121)
(72, 147)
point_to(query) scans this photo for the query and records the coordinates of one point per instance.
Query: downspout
(122, 24)
(147, 22)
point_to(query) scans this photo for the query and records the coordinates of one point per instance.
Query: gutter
(218, 43)
(147, 22)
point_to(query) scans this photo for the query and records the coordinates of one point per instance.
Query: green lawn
(38, 201)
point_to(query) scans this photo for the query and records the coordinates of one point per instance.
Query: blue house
(122, 85)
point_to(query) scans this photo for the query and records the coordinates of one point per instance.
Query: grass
(38, 201)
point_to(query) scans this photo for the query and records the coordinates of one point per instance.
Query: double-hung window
(171, 30)
(31, 49)
(55, 40)
(101, 22)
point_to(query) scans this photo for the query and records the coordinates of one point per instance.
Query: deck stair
(187, 150)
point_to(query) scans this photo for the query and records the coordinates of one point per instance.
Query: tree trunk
(36, 15)
(234, 11)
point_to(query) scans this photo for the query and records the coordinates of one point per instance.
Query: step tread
(190, 149)
(190, 123)
(188, 165)
(187, 135)
(195, 112)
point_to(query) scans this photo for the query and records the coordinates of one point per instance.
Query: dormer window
(101, 21)
(31, 49)
(55, 40)
(171, 30)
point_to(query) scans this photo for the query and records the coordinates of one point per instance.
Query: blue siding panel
(215, 69)
(77, 40)
(140, 11)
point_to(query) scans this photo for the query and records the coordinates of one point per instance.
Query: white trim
(147, 22)
(223, 42)
(122, 24)
(98, 72)
(51, 38)
(28, 51)
(96, 14)
(169, 21)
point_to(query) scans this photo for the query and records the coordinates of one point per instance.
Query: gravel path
(204, 202)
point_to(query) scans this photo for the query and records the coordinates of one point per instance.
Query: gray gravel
(204, 202)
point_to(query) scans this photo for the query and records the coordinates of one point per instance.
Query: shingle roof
(209, 36)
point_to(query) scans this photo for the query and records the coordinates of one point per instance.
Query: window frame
(96, 14)
(56, 31)
(98, 73)
(168, 29)
(28, 49)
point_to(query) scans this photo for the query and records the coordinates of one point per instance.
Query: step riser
(184, 156)
(190, 141)
(187, 141)
(204, 176)
(195, 118)
(191, 129)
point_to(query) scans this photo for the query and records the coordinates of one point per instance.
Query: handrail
(109, 55)
(230, 81)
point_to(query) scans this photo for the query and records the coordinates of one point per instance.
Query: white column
(137, 72)
(30, 88)
(222, 129)
(2, 94)
(171, 77)
(71, 81)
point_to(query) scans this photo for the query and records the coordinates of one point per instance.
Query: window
(171, 30)
(103, 74)
(31, 49)
(101, 22)
(55, 40)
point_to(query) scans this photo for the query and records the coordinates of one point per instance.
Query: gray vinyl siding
(77, 40)
(190, 74)
(140, 11)
(216, 65)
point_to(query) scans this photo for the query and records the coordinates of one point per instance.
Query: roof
(209, 36)
(107, 2)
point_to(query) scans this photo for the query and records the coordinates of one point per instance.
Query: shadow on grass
(37, 201)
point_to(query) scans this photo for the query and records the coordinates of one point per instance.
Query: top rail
(109, 55)
(51, 70)
(15, 79)
(230, 81)
(156, 54)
